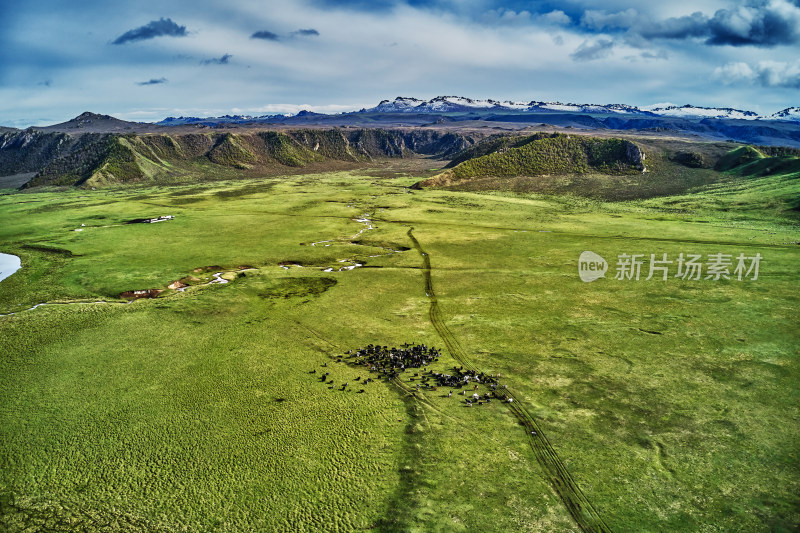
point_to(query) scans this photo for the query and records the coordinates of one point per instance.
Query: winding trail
(580, 508)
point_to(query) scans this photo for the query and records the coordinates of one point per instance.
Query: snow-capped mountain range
(451, 104)
(460, 104)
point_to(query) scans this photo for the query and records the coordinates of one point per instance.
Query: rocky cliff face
(59, 158)
(30, 151)
(634, 155)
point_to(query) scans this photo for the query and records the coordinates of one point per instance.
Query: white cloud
(733, 72)
(765, 73)
(555, 17)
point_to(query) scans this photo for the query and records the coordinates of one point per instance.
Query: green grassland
(673, 405)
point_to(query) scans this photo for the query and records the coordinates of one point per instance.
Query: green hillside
(99, 159)
(760, 161)
(549, 154)
(492, 145)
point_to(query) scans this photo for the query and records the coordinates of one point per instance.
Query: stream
(364, 219)
(216, 278)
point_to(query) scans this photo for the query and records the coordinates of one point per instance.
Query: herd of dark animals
(390, 363)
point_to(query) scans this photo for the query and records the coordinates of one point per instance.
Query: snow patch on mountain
(790, 113)
(585, 108)
(690, 111)
(400, 104)
(451, 104)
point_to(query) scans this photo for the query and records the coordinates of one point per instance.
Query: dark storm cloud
(153, 81)
(694, 25)
(310, 32)
(224, 60)
(155, 28)
(266, 35)
(590, 51)
(764, 23)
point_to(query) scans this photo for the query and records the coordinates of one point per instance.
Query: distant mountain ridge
(461, 104)
(457, 113)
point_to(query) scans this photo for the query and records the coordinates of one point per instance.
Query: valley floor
(659, 405)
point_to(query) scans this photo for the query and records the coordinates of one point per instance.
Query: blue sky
(145, 60)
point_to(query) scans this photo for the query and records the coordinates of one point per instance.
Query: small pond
(8, 265)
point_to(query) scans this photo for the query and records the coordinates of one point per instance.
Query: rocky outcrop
(634, 155)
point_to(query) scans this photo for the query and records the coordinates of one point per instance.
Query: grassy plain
(673, 404)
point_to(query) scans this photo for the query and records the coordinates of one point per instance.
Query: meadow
(672, 405)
